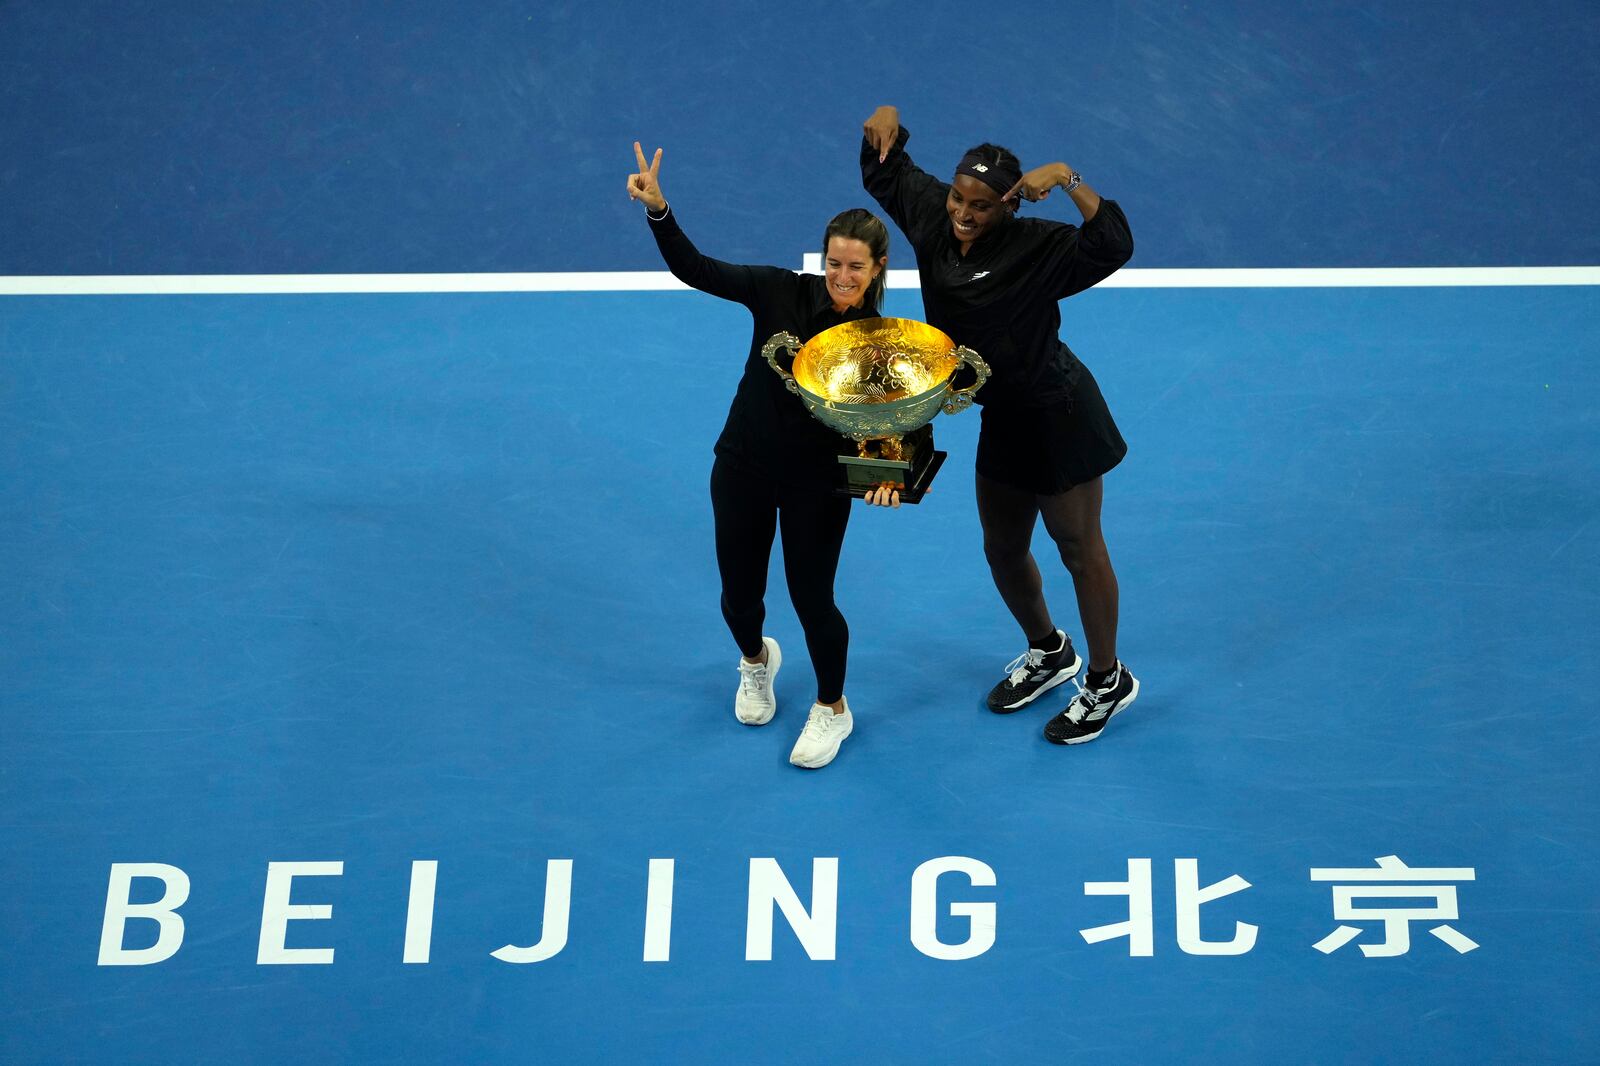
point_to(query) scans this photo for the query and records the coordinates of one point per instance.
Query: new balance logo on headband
(999, 176)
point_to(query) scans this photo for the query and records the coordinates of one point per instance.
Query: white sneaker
(756, 703)
(820, 739)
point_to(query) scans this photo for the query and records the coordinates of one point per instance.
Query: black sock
(1098, 678)
(1051, 643)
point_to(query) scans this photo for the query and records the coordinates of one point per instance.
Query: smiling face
(974, 209)
(849, 269)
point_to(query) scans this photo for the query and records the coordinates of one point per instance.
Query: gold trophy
(880, 382)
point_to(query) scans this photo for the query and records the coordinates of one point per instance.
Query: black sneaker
(1092, 708)
(1032, 674)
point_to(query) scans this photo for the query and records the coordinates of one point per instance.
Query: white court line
(661, 281)
(1350, 277)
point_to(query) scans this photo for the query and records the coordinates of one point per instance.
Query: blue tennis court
(367, 696)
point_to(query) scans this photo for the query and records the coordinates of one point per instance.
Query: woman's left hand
(1037, 183)
(885, 495)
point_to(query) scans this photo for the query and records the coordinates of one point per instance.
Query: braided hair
(997, 159)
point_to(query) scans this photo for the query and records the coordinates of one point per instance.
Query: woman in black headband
(776, 465)
(992, 281)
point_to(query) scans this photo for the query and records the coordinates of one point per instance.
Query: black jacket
(1000, 299)
(768, 428)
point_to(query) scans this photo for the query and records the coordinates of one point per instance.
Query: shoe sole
(819, 764)
(1066, 674)
(1118, 709)
(774, 660)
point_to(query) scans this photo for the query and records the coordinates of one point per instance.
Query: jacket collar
(823, 303)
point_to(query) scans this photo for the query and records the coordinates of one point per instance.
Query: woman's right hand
(882, 129)
(645, 186)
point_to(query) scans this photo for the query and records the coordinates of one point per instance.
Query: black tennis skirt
(1048, 450)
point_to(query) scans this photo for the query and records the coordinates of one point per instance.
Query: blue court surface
(366, 693)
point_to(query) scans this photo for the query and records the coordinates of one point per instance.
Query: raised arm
(726, 280)
(907, 194)
(1037, 183)
(1075, 258)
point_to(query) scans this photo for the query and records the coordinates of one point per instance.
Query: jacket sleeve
(748, 285)
(1076, 258)
(908, 194)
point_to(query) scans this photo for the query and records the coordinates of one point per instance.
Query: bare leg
(1073, 522)
(1008, 515)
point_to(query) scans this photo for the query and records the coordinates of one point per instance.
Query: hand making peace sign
(645, 186)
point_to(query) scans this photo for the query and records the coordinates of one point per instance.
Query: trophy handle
(791, 343)
(961, 399)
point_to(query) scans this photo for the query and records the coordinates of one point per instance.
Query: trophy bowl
(879, 382)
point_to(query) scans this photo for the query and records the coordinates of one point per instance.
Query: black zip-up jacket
(1000, 299)
(768, 429)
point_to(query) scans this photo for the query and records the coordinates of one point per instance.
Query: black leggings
(749, 508)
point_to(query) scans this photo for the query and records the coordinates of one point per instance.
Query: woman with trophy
(992, 281)
(776, 466)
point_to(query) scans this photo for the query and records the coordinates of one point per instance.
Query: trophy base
(912, 474)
